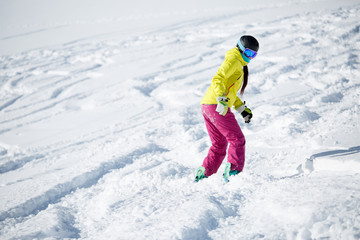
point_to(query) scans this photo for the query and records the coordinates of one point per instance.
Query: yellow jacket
(228, 80)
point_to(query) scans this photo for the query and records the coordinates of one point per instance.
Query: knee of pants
(238, 140)
(221, 146)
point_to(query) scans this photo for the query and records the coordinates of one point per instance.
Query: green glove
(222, 106)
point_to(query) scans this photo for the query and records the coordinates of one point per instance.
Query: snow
(101, 131)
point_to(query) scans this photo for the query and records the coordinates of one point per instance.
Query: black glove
(245, 113)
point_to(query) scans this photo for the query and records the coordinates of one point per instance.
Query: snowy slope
(101, 131)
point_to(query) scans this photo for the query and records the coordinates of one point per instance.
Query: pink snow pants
(223, 130)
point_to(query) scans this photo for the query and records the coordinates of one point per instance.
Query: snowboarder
(220, 122)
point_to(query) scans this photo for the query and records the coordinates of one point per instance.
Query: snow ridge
(85, 180)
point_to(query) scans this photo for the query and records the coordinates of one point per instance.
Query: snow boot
(200, 174)
(228, 172)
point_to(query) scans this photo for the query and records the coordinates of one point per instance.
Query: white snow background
(101, 131)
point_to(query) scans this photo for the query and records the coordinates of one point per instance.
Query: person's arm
(220, 79)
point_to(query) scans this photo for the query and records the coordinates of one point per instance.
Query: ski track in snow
(113, 148)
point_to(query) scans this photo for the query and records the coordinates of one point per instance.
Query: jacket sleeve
(220, 79)
(238, 103)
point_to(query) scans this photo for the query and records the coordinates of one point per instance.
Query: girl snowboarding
(220, 122)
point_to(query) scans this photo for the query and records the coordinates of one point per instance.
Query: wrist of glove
(222, 106)
(245, 113)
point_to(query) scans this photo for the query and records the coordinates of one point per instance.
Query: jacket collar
(240, 57)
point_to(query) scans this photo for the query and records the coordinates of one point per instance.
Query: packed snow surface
(101, 131)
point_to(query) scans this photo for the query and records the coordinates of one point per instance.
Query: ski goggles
(247, 51)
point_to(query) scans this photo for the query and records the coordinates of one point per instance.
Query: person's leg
(236, 152)
(217, 151)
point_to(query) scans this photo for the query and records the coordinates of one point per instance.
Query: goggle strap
(242, 48)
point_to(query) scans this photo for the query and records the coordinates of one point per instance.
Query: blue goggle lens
(249, 53)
